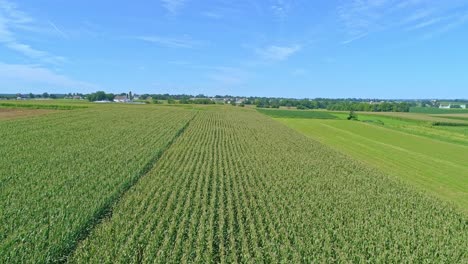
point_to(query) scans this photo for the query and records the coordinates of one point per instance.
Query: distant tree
(145, 96)
(426, 103)
(100, 96)
(110, 97)
(31, 95)
(352, 115)
(45, 95)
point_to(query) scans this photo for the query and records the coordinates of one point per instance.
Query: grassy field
(297, 114)
(425, 126)
(416, 117)
(433, 165)
(145, 183)
(431, 110)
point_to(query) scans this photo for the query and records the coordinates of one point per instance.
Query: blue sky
(289, 48)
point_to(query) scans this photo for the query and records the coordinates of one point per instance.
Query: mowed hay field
(436, 166)
(214, 184)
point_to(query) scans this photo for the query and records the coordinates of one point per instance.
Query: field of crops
(8, 113)
(431, 110)
(59, 173)
(228, 185)
(237, 186)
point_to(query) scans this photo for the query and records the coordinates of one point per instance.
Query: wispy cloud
(361, 18)
(58, 30)
(281, 8)
(12, 19)
(278, 53)
(425, 23)
(459, 20)
(20, 76)
(173, 6)
(212, 14)
(171, 42)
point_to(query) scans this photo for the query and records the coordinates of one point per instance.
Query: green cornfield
(61, 172)
(143, 184)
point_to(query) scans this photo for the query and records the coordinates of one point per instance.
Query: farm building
(121, 99)
(445, 106)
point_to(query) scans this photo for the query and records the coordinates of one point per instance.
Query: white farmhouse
(445, 106)
(121, 99)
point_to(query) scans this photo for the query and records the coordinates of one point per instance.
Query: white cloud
(58, 30)
(173, 6)
(278, 53)
(361, 18)
(281, 9)
(457, 21)
(212, 14)
(425, 23)
(11, 19)
(171, 42)
(21, 77)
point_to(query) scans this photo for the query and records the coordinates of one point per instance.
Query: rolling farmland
(127, 184)
(280, 131)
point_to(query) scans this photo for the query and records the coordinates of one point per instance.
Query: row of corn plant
(60, 174)
(240, 187)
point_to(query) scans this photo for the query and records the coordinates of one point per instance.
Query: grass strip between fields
(42, 106)
(276, 113)
(106, 210)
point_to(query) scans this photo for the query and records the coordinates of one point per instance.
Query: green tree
(352, 115)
